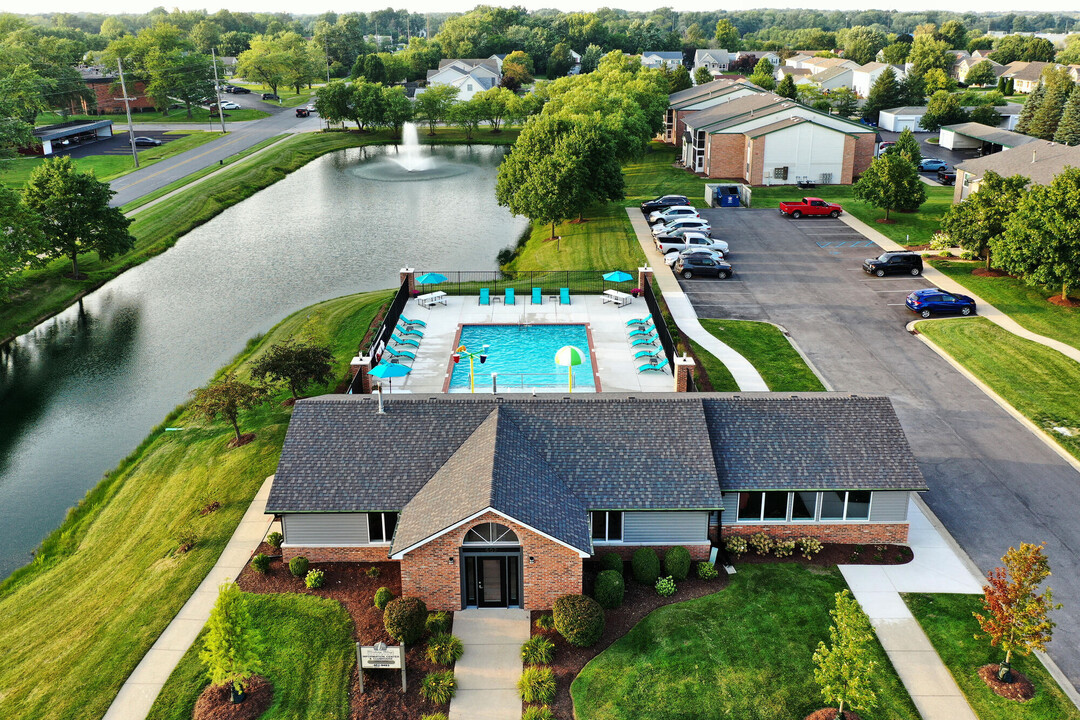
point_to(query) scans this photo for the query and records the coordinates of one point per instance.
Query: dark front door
(492, 579)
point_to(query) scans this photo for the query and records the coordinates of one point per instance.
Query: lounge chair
(649, 340)
(404, 330)
(399, 353)
(647, 353)
(642, 331)
(485, 296)
(649, 366)
(537, 296)
(564, 296)
(647, 320)
(509, 297)
(404, 341)
(407, 321)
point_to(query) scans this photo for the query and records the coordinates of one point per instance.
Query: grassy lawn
(1026, 304)
(107, 167)
(1039, 382)
(766, 347)
(309, 660)
(909, 229)
(951, 628)
(289, 97)
(198, 115)
(106, 582)
(49, 290)
(744, 652)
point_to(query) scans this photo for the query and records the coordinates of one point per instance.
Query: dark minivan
(894, 263)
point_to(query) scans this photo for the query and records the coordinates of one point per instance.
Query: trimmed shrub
(537, 650)
(314, 579)
(373, 572)
(275, 539)
(404, 619)
(646, 566)
(260, 563)
(677, 562)
(611, 561)
(761, 543)
(537, 685)
(579, 619)
(382, 597)
(707, 571)
(784, 548)
(809, 547)
(298, 566)
(435, 716)
(545, 622)
(665, 587)
(609, 589)
(438, 622)
(444, 648)
(439, 687)
(537, 712)
(736, 545)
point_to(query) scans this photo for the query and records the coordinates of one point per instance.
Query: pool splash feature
(411, 162)
(522, 358)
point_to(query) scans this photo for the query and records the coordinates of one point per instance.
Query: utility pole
(217, 91)
(127, 107)
(326, 54)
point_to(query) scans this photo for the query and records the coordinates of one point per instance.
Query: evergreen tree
(908, 147)
(844, 667)
(233, 647)
(845, 102)
(1031, 106)
(891, 183)
(1001, 83)
(885, 93)
(1010, 87)
(1044, 122)
(680, 78)
(1068, 130)
(913, 90)
(702, 75)
(787, 88)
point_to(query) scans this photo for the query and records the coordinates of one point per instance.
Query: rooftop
(1038, 160)
(986, 133)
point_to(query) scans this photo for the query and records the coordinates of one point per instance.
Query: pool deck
(614, 358)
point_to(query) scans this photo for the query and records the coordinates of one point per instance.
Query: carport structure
(57, 137)
(987, 139)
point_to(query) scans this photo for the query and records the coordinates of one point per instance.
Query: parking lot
(118, 144)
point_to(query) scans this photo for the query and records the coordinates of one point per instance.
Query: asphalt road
(240, 136)
(992, 482)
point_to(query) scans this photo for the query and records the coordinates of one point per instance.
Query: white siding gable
(806, 150)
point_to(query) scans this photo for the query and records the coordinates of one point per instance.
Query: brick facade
(865, 145)
(756, 176)
(698, 552)
(725, 156)
(109, 98)
(370, 553)
(427, 573)
(861, 533)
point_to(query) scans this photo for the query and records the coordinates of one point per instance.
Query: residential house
(498, 60)
(833, 78)
(497, 501)
(1038, 160)
(656, 59)
(801, 76)
(108, 97)
(756, 56)
(469, 75)
(966, 64)
(864, 77)
(685, 103)
(575, 63)
(820, 64)
(766, 139)
(714, 60)
(1026, 76)
(797, 60)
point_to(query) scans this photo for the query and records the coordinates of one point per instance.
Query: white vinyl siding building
(805, 150)
(338, 529)
(815, 507)
(676, 527)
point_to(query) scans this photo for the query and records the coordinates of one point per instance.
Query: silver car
(694, 224)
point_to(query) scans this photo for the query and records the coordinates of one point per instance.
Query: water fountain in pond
(410, 155)
(409, 161)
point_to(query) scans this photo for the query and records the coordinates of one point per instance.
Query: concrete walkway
(488, 672)
(944, 282)
(139, 691)
(682, 311)
(939, 566)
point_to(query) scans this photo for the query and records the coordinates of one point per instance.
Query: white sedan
(230, 106)
(698, 239)
(698, 224)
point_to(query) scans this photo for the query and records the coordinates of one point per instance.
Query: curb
(809, 363)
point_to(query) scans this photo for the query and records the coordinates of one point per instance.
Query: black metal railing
(382, 335)
(659, 323)
(550, 282)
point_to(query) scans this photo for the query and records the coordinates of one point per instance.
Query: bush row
(762, 544)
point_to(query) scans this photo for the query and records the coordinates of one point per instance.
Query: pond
(80, 391)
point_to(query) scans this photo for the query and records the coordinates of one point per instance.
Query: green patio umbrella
(569, 356)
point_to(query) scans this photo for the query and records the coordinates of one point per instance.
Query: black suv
(690, 265)
(663, 203)
(892, 263)
(946, 176)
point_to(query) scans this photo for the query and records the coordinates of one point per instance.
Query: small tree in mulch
(843, 667)
(1017, 614)
(297, 364)
(233, 647)
(226, 398)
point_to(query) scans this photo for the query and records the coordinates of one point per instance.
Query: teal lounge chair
(509, 297)
(398, 353)
(642, 331)
(647, 320)
(404, 341)
(537, 296)
(407, 321)
(649, 366)
(409, 331)
(647, 353)
(564, 296)
(650, 340)
(485, 296)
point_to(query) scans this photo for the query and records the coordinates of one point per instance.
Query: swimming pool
(523, 356)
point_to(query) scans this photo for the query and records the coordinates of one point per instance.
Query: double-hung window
(607, 525)
(381, 526)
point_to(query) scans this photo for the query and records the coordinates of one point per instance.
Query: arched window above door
(490, 533)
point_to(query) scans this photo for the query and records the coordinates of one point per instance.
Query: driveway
(992, 482)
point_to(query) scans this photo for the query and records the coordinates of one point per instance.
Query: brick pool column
(362, 365)
(684, 370)
(408, 274)
(644, 276)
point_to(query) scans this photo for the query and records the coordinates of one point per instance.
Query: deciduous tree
(1017, 615)
(895, 53)
(891, 183)
(937, 79)
(861, 43)
(559, 61)
(981, 73)
(332, 101)
(702, 75)
(374, 70)
(263, 61)
(367, 104)
(467, 115)
(844, 101)
(591, 58)
(227, 398)
(943, 108)
(398, 108)
(297, 364)
(843, 668)
(985, 114)
(727, 35)
(980, 218)
(233, 648)
(22, 243)
(495, 104)
(433, 105)
(680, 78)
(928, 53)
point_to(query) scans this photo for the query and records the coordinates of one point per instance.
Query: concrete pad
(898, 635)
(492, 627)
(883, 604)
(485, 667)
(485, 705)
(865, 577)
(946, 707)
(488, 671)
(924, 674)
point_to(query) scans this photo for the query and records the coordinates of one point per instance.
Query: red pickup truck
(810, 206)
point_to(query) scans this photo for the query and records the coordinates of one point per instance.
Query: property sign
(381, 657)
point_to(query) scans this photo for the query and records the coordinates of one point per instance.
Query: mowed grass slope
(744, 652)
(107, 581)
(779, 363)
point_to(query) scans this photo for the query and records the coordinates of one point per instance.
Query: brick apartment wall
(725, 156)
(757, 160)
(373, 553)
(865, 145)
(680, 124)
(848, 165)
(108, 98)
(855, 533)
(697, 552)
(426, 572)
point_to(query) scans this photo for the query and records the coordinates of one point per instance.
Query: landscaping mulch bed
(1063, 302)
(983, 272)
(841, 554)
(215, 702)
(347, 583)
(244, 440)
(830, 714)
(638, 602)
(1020, 689)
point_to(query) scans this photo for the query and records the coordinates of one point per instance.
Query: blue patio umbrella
(431, 279)
(389, 371)
(618, 276)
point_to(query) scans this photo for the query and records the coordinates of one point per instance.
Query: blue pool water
(523, 357)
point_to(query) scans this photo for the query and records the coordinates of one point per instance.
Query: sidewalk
(936, 568)
(944, 282)
(746, 376)
(488, 672)
(139, 691)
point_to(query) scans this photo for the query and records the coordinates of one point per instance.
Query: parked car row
(685, 239)
(236, 90)
(925, 302)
